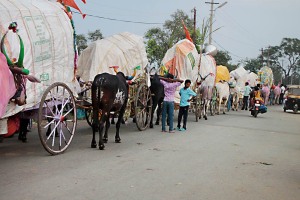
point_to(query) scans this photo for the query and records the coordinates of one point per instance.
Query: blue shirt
(185, 96)
(247, 91)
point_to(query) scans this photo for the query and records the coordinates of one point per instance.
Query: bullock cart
(138, 107)
(183, 60)
(124, 52)
(41, 36)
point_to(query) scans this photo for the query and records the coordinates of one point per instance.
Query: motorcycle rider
(256, 95)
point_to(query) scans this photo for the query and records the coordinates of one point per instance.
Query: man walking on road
(247, 91)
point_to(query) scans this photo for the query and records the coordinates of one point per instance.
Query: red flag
(187, 33)
(72, 4)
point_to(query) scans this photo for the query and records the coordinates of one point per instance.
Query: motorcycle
(258, 108)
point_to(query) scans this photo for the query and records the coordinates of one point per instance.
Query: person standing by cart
(185, 97)
(247, 91)
(170, 85)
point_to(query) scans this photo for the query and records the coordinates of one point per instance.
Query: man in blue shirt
(247, 91)
(185, 97)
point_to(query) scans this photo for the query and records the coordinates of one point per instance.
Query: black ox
(158, 94)
(109, 94)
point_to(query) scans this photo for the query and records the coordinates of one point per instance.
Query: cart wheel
(57, 118)
(212, 107)
(143, 107)
(198, 107)
(89, 116)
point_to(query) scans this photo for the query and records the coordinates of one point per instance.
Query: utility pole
(212, 3)
(262, 56)
(194, 35)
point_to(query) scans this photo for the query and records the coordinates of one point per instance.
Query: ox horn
(115, 68)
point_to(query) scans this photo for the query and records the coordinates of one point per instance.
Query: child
(185, 95)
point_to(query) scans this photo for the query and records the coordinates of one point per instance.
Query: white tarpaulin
(208, 66)
(125, 50)
(238, 73)
(47, 35)
(183, 59)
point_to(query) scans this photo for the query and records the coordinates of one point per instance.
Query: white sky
(247, 25)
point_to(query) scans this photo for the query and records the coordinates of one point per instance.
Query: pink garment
(7, 85)
(170, 89)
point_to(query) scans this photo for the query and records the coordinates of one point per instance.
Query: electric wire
(120, 20)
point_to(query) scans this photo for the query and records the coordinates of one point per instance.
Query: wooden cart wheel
(213, 102)
(212, 107)
(143, 107)
(57, 118)
(198, 107)
(89, 116)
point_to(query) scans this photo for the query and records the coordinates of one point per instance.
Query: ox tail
(96, 100)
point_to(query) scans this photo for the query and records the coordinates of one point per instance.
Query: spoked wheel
(57, 118)
(198, 107)
(143, 107)
(213, 107)
(89, 116)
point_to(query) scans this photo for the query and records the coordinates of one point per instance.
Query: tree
(223, 58)
(158, 40)
(253, 65)
(81, 42)
(157, 45)
(285, 58)
(96, 35)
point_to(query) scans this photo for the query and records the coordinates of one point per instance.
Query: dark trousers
(245, 102)
(183, 111)
(281, 98)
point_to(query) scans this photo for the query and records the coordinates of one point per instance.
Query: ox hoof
(224, 113)
(101, 147)
(205, 117)
(156, 123)
(151, 125)
(93, 145)
(118, 140)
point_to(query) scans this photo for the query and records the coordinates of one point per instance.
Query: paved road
(228, 157)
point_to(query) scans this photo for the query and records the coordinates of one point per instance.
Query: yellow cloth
(222, 73)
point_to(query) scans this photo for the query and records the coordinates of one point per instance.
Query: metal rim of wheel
(57, 111)
(143, 107)
(89, 116)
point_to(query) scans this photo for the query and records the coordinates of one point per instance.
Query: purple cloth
(170, 89)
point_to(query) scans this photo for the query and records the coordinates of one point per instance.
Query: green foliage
(222, 58)
(81, 42)
(285, 58)
(96, 35)
(253, 65)
(158, 40)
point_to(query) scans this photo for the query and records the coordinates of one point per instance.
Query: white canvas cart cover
(208, 66)
(47, 35)
(125, 50)
(238, 72)
(184, 59)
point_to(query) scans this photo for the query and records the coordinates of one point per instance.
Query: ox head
(202, 78)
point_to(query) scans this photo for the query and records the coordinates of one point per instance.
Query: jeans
(168, 108)
(183, 111)
(245, 102)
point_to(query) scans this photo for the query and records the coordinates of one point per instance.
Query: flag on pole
(187, 33)
(72, 4)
